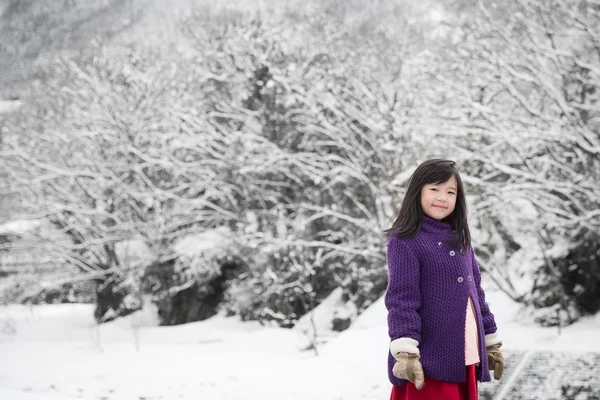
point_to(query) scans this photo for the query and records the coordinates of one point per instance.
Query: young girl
(443, 335)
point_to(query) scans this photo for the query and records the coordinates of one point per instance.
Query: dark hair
(410, 213)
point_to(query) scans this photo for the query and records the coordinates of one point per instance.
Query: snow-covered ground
(58, 352)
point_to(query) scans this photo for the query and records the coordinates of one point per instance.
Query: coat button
(452, 253)
(469, 277)
(460, 279)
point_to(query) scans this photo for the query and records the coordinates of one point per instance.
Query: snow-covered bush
(191, 284)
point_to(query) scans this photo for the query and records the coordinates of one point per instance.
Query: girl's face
(438, 200)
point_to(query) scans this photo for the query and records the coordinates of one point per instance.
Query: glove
(495, 360)
(409, 367)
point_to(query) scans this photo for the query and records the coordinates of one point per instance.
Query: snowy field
(58, 352)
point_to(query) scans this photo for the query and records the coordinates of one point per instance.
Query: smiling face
(438, 200)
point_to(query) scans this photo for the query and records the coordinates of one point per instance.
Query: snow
(317, 324)
(9, 106)
(18, 227)
(59, 352)
(403, 177)
(134, 251)
(212, 241)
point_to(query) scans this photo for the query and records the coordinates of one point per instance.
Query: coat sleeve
(489, 323)
(403, 296)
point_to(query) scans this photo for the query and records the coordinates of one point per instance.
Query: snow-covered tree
(322, 124)
(517, 103)
(118, 149)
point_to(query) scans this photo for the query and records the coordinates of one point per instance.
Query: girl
(443, 335)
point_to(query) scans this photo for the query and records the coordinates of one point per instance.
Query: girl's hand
(495, 360)
(409, 367)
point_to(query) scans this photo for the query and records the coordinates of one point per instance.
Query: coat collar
(431, 225)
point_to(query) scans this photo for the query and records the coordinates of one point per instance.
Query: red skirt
(439, 389)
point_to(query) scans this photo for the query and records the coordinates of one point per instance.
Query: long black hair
(408, 216)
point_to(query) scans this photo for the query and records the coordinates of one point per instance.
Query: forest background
(244, 158)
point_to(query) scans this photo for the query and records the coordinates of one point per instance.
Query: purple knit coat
(428, 287)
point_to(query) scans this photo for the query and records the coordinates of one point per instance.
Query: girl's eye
(452, 193)
(433, 188)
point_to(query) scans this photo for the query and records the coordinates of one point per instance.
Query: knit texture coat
(428, 286)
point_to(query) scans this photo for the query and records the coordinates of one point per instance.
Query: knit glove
(495, 360)
(409, 367)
